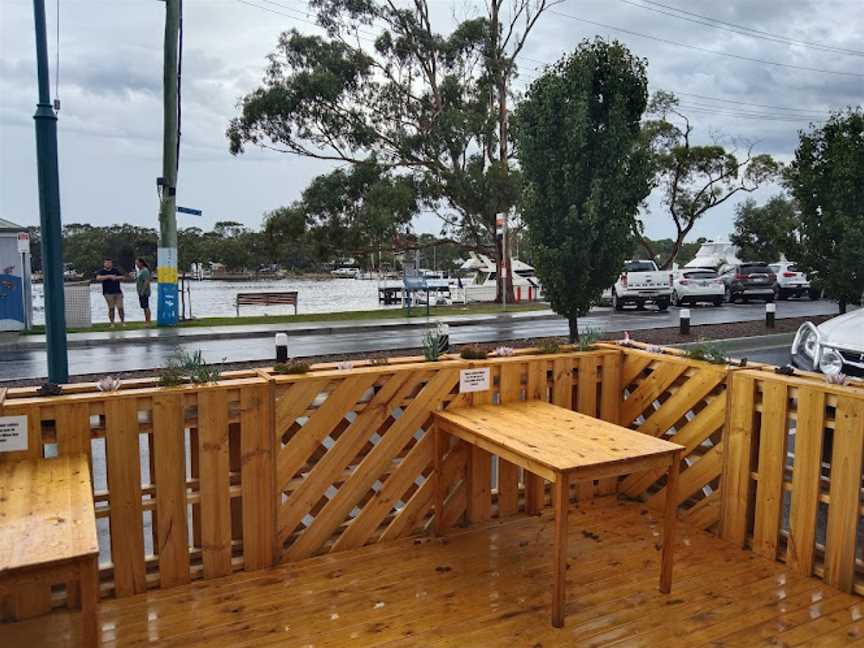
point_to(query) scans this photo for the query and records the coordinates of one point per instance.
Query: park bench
(48, 532)
(288, 297)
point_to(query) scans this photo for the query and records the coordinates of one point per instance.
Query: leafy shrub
(432, 345)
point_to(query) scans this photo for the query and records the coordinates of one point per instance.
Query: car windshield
(755, 268)
(702, 274)
(638, 266)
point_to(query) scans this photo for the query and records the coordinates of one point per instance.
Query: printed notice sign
(473, 380)
(13, 433)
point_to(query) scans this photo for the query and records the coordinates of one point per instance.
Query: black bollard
(281, 347)
(684, 321)
(770, 310)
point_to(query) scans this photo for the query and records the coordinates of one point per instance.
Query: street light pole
(47, 169)
(166, 261)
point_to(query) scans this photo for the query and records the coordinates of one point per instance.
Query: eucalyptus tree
(384, 84)
(695, 178)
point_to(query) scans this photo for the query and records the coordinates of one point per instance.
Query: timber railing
(198, 481)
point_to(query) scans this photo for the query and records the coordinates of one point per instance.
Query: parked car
(641, 283)
(692, 285)
(790, 282)
(750, 280)
(833, 347)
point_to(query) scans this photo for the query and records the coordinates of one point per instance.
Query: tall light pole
(47, 169)
(166, 262)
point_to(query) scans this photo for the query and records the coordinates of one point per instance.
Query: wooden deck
(488, 586)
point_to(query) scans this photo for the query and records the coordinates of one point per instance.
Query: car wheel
(616, 303)
(662, 305)
(718, 301)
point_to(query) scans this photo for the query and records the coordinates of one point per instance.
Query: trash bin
(76, 296)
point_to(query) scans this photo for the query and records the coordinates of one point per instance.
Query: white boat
(715, 255)
(479, 282)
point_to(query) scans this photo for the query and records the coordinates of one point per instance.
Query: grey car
(751, 280)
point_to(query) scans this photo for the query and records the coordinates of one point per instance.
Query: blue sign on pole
(189, 210)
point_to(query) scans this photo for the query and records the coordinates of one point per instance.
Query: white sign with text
(473, 380)
(13, 433)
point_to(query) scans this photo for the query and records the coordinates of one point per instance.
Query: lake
(216, 298)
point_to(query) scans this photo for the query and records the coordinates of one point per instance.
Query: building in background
(16, 294)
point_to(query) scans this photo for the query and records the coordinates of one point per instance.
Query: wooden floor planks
(489, 586)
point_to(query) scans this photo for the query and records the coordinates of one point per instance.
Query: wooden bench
(48, 531)
(288, 297)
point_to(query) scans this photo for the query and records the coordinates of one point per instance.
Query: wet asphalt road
(20, 364)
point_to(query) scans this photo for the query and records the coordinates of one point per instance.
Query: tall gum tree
(585, 170)
(694, 178)
(384, 83)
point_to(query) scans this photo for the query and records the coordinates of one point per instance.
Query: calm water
(216, 298)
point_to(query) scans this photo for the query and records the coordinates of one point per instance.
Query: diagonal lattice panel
(368, 470)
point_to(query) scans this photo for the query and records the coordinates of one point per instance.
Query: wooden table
(48, 531)
(559, 445)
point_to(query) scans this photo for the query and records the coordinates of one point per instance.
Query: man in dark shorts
(142, 285)
(111, 291)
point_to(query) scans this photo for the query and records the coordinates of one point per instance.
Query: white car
(790, 282)
(692, 285)
(833, 347)
(642, 282)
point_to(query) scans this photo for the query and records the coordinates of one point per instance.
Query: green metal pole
(166, 270)
(49, 208)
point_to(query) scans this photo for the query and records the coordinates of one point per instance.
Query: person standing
(111, 290)
(142, 285)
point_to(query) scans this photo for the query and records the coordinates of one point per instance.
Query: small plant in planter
(432, 344)
(292, 367)
(345, 365)
(546, 347)
(588, 339)
(473, 352)
(108, 384)
(50, 389)
(379, 362)
(836, 379)
(505, 352)
(707, 352)
(184, 367)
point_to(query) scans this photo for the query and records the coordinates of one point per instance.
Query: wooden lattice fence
(198, 481)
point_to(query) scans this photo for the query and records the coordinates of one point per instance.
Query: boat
(479, 281)
(714, 255)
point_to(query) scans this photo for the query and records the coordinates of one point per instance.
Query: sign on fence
(13, 433)
(473, 380)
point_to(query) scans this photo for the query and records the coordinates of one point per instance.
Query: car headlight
(807, 341)
(830, 361)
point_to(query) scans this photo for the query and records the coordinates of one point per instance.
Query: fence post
(737, 464)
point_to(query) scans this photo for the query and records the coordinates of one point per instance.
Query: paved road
(20, 364)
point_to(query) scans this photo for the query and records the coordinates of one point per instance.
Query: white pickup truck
(641, 283)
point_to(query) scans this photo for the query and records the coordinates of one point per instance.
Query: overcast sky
(111, 83)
